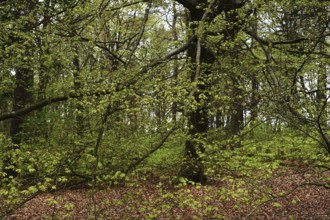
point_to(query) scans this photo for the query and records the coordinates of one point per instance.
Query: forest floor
(293, 192)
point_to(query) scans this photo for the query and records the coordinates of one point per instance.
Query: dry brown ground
(290, 194)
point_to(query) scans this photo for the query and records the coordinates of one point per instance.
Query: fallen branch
(21, 204)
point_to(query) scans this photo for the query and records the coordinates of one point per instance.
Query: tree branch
(189, 4)
(137, 42)
(100, 92)
(266, 42)
(136, 163)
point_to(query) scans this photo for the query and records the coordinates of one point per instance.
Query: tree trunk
(21, 94)
(193, 168)
(237, 116)
(201, 59)
(174, 107)
(237, 108)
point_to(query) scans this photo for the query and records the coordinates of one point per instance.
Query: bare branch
(266, 42)
(137, 42)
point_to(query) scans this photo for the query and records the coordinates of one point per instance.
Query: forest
(173, 109)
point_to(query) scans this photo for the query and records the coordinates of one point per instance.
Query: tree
(24, 18)
(201, 59)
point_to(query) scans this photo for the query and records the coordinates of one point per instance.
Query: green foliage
(263, 93)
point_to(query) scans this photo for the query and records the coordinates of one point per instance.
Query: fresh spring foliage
(103, 92)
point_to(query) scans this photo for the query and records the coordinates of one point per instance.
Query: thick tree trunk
(198, 126)
(193, 168)
(21, 95)
(201, 58)
(237, 108)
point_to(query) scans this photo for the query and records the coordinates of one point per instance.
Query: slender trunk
(237, 116)
(322, 102)
(80, 119)
(254, 81)
(254, 99)
(174, 108)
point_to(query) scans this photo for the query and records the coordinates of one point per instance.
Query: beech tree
(201, 59)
